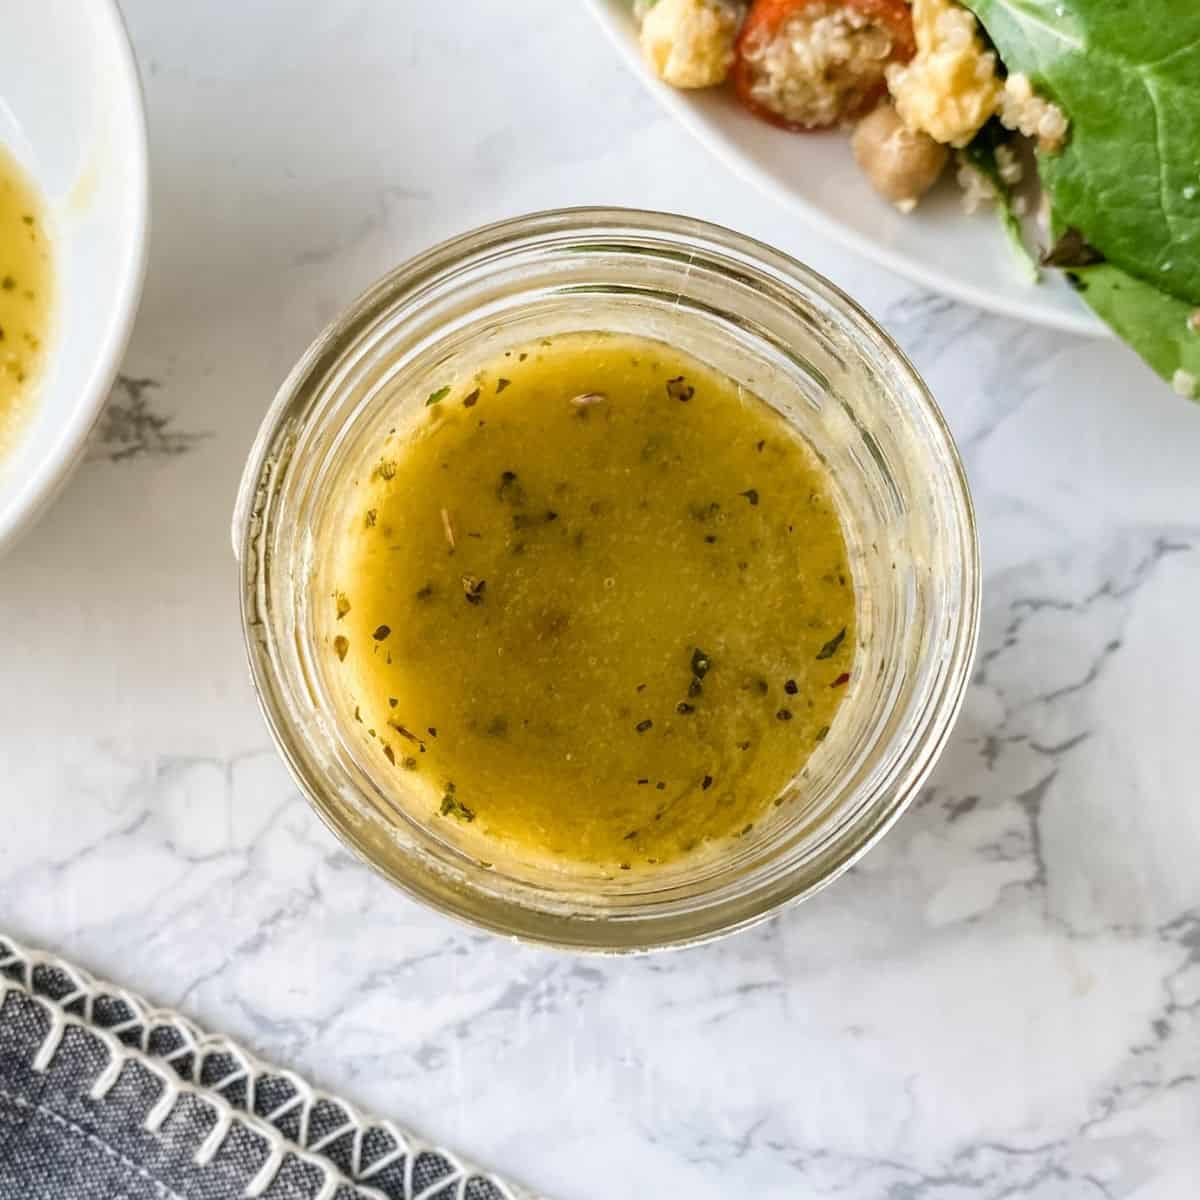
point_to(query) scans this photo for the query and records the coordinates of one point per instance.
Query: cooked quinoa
(1009, 165)
(1022, 109)
(977, 188)
(826, 60)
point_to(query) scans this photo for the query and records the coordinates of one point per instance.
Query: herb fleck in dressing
(24, 297)
(600, 566)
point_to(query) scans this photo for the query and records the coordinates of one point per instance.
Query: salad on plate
(1097, 100)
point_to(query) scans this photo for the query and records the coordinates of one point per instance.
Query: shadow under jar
(767, 323)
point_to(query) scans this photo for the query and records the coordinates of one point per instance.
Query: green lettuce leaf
(1156, 325)
(980, 152)
(1127, 74)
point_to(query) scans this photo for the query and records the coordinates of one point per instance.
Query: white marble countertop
(1003, 999)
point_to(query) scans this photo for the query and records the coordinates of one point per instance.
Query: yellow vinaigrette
(25, 294)
(595, 605)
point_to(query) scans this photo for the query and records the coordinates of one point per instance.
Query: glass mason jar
(754, 314)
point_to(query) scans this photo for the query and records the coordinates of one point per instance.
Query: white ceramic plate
(71, 113)
(939, 246)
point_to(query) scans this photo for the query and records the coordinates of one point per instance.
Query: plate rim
(614, 19)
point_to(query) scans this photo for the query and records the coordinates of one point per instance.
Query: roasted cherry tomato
(810, 64)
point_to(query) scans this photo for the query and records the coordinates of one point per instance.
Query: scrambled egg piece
(689, 43)
(950, 87)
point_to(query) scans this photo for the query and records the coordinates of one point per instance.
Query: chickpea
(901, 164)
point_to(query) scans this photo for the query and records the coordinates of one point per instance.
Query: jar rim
(266, 473)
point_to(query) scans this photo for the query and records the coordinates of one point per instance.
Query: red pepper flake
(841, 680)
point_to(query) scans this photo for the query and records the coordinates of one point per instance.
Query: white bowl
(71, 113)
(939, 246)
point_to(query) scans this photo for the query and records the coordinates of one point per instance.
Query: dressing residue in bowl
(25, 297)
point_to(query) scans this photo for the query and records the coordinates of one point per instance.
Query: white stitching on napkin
(202, 1046)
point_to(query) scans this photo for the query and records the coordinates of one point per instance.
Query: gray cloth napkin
(105, 1098)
